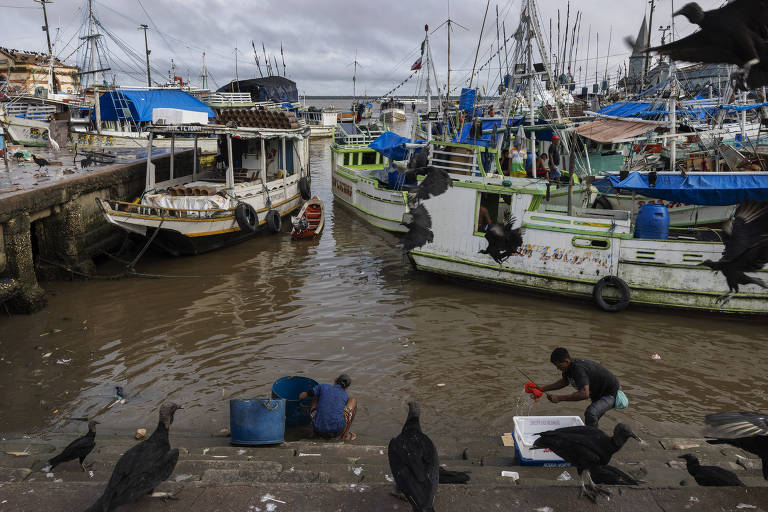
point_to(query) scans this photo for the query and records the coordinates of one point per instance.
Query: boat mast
(204, 76)
(428, 90)
(532, 117)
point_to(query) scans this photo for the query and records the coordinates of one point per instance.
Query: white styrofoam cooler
(178, 116)
(526, 428)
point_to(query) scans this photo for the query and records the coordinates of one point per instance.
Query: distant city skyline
(320, 39)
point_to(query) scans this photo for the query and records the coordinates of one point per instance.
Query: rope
(146, 246)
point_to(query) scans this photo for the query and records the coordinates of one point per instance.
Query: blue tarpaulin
(488, 124)
(625, 109)
(141, 102)
(391, 145)
(710, 189)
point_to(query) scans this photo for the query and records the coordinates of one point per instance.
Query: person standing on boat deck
(517, 156)
(332, 409)
(591, 380)
(554, 159)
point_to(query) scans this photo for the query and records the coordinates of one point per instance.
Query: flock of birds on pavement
(415, 465)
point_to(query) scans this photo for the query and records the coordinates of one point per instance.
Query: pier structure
(55, 229)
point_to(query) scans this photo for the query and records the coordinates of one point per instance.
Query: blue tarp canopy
(141, 102)
(391, 145)
(711, 189)
(625, 109)
(488, 124)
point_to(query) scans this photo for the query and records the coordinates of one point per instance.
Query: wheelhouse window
(489, 209)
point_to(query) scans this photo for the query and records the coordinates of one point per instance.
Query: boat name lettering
(342, 187)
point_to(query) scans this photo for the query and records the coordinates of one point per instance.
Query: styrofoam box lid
(526, 427)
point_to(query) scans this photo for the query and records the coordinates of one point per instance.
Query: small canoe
(310, 220)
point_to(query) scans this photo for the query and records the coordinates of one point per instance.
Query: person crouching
(332, 409)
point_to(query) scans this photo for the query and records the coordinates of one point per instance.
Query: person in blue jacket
(332, 409)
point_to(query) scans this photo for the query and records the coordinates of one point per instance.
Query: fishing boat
(392, 110)
(587, 253)
(262, 175)
(122, 115)
(310, 220)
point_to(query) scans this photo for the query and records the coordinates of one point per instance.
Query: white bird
(52, 143)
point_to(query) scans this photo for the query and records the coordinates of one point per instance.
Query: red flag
(416, 65)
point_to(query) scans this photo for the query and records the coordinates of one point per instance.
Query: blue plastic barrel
(652, 222)
(289, 389)
(257, 421)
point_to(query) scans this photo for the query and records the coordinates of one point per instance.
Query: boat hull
(569, 255)
(27, 132)
(362, 195)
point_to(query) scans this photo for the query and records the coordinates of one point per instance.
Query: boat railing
(455, 160)
(163, 212)
(228, 98)
(311, 117)
(39, 113)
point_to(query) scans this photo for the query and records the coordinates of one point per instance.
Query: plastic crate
(526, 428)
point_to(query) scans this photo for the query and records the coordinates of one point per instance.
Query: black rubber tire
(304, 188)
(617, 282)
(274, 221)
(247, 218)
(602, 202)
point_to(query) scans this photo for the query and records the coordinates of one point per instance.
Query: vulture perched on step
(142, 467)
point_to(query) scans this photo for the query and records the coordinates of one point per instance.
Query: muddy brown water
(228, 323)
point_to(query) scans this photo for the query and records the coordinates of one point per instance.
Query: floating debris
(141, 433)
(564, 476)
(269, 497)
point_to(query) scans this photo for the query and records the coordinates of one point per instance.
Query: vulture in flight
(736, 33)
(746, 248)
(745, 430)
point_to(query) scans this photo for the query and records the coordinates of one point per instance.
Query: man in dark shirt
(591, 380)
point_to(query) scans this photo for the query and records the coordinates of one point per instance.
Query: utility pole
(146, 48)
(50, 48)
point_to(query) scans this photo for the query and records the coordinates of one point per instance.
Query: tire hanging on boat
(304, 189)
(602, 202)
(614, 282)
(274, 221)
(246, 217)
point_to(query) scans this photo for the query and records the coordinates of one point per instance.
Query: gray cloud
(320, 38)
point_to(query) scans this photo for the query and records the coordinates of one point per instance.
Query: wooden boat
(310, 220)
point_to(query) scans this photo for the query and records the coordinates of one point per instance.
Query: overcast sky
(320, 38)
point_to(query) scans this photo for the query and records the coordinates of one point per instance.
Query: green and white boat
(589, 253)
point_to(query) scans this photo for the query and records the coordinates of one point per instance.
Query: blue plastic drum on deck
(289, 389)
(652, 222)
(257, 421)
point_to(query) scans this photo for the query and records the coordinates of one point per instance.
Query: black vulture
(77, 449)
(447, 476)
(435, 182)
(419, 225)
(711, 476)
(142, 467)
(86, 162)
(419, 159)
(745, 430)
(733, 34)
(610, 475)
(414, 463)
(41, 162)
(746, 248)
(503, 241)
(586, 448)
(19, 156)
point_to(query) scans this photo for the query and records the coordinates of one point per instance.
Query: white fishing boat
(122, 116)
(589, 253)
(265, 179)
(392, 110)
